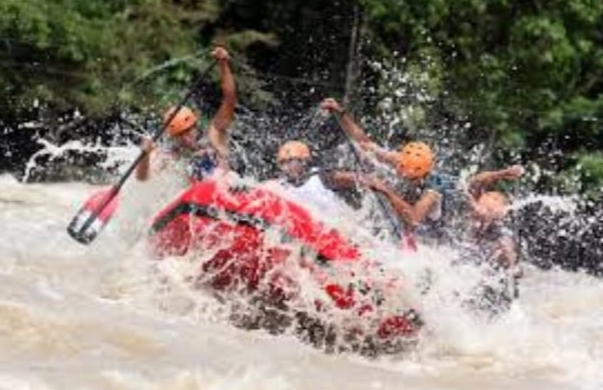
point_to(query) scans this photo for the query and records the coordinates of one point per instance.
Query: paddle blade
(93, 216)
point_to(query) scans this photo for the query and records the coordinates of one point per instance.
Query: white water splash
(115, 156)
(555, 204)
(97, 317)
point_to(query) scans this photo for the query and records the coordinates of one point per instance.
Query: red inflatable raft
(229, 225)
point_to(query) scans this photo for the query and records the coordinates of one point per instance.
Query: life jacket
(199, 164)
(432, 229)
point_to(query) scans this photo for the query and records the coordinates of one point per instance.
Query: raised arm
(384, 155)
(346, 120)
(357, 133)
(481, 181)
(143, 167)
(218, 128)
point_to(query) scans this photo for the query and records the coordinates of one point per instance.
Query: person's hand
(148, 145)
(331, 105)
(376, 184)
(220, 54)
(515, 172)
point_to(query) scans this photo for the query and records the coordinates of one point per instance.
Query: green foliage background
(527, 75)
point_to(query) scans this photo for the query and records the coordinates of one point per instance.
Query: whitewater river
(75, 317)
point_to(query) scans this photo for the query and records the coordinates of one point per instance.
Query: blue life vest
(434, 227)
(203, 165)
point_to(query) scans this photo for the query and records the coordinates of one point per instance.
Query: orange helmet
(293, 149)
(415, 160)
(493, 203)
(184, 120)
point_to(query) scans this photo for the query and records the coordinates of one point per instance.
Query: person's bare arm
(401, 206)
(384, 155)
(413, 214)
(482, 180)
(424, 206)
(506, 252)
(143, 167)
(218, 128)
(340, 179)
(358, 134)
(346, 179)
(347, 122)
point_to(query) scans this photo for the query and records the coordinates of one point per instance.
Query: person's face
(294, 168)
(188, 139)
(409, 173)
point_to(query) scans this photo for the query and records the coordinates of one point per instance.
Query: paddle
(100, 207)
(393, 221)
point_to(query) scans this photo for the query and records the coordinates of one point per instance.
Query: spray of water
(140, 309)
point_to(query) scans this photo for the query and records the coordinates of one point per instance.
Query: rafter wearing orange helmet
(184, 120)
(489, 230)
(292, 150)
(312, 186)
(415, 160)
(203, 155)
(420, 204)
